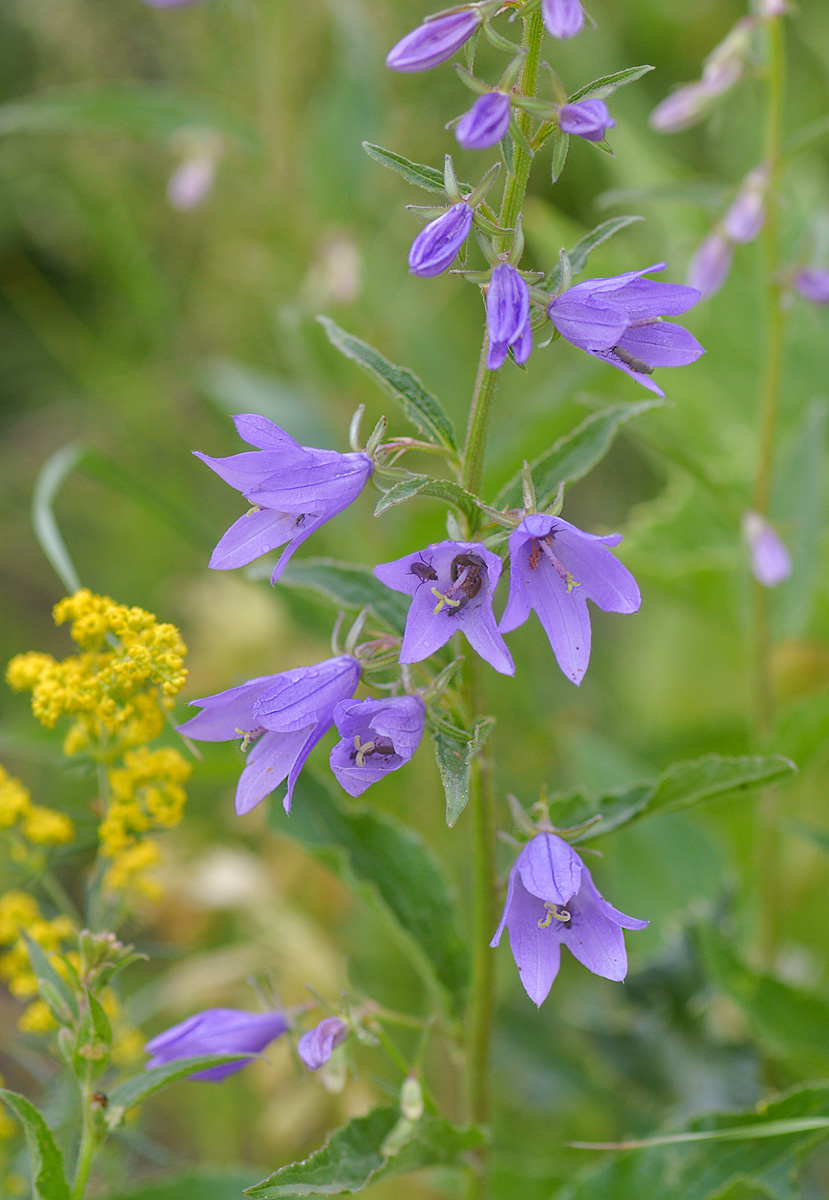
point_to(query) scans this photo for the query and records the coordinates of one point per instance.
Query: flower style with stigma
(619, 319)
(378, 736)
(451, 585)
(554, 569)
(293, 489)
(281, 716)
(217, 1031)
(552, 901)
(317, 1045)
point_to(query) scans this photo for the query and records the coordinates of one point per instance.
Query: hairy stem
(86, 1153)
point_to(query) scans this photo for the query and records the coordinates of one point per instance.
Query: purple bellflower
(619, 319)
(709, 267)
(284, 716)
(721, 70)
(378, 736)
(562, 18)
(813, 284)
(434, 41)
(486, 122)
(451, 585)
(294, 490)
(435, 247)
(551, 899)
(217, 1031)
(771, 563)
(507, 317)
(317, 1045)
(588, 119)
(554, 569)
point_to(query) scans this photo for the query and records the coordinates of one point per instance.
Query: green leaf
(52, 474)
(572, 456)
(351, 1157)
(424, 485)
(140, 1087)
(601, 88)
(375, 850)
(346, 585)
(585, 246)
(209, 1183)
(455, 752)
(681, 786)
(93, 1040)
(48, 1179)
(561, 144)
(428, 178)
(422, 408)
(62, 1002)
(738, 1133)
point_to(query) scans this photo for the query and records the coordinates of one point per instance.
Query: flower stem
(88, 1146)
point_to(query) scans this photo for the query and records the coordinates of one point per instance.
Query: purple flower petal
(771, 563)
(507, 312)
(562, 18)
(263, 433)
(813, 284)
(303, 696)
(434, 41)
(255, 533)
(588, 119)
(317, 1045)
(537, 955)
(486, 122)
(378, 736)
(550, 868)
(587, 325)
(436, 246)
(269, 762)
(226, 713)
(709, 268)
(661, 345)
(217, 1031)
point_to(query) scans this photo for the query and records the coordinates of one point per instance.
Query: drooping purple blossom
(317, 1045)
(552, 900)
(709, 267)
(283, 715)
(562, 18)
(744, 219)
(588, 119)
(217, 1031)
(435, 247)
(434, 41)
(554, 570)
(507, 317)
(721, 70)
(451, 585)
(771, 563)
(294, 490)
(812, 283)
(378, 736)
(619, 319)
(486, 122)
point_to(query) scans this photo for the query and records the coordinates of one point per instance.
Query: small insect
(635, 364)
(467, 573)
(423, 571)
(300, 521)
(100, 1099)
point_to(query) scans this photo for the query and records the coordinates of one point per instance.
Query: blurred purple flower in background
(284, 715)
(217, 1031)
(436, 246)
(551, 899)
(167, 3)
(451, 585)
(708, 269)
(434, 41)
(507, 317)
(721, 70)
(619, 319)
(486, 122)
(562, 18)
(744, 219)
(317, 1045)
(378, 736)
(771, 563)
(554, 570)
(192, 182)
(294, 490)
(588, 119)
(813, 284)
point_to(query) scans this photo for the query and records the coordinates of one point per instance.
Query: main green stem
(86, 1153)
(482, 793)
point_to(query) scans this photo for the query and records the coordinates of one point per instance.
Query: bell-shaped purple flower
(562, 18)
(294, 490)
(744, 219)
(708, 269)
(434, 41)
(619, 319)
(486, 122)
(435, 247)
(554, 569)
(771, 563)
(378, 736)
(217, 1031)
(317, 1045)
(588, 119)
(507, 317)
(813, 284)
(551, 899)
(451, 585)
(284, 716)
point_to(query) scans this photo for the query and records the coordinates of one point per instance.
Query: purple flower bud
(721, 70)
(217, 1031)
(436, 246)
(562, 18)
(166, 3)
(587, 119)
(744, 219)
(507, 317)
(317, 1045)
(813, 284)
(682, 109)
(552, 901)
(771, 563)
(378, 736)
(708, 269)
(486, 122)
(192, 182)
(772, 8)
(434, 41)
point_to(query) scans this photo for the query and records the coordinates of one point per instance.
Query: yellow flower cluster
(42, 826)
(18, 912)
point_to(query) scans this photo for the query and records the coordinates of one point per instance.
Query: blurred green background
(135, 329)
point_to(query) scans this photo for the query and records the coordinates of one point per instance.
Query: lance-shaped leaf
(52, 987)
(601, 88)
(48, 1178)
(422, 408)
(353, 1156)
(572, 456)
(346, 585)
(585, 246)
(428, 178)
(455, 752)
(561, 145)
(393, 861)
(681, 786)
(140, 1087)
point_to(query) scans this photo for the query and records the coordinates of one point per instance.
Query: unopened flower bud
(682, 109)
(192, 182)
(813, 284)
(486, 122)
(562, 18)
(588, 119)
(434, 41)
(708, 269)
(411, 1099)
(507, 317)
(436, 246)
(744, 219)
(771, 562)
